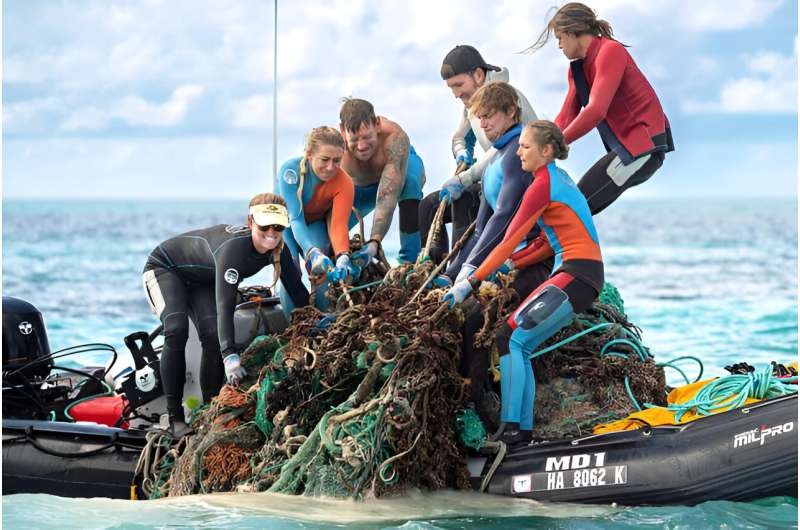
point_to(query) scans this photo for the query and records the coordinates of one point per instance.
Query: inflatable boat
(742, 454)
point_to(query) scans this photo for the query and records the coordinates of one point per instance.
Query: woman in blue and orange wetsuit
(607, 91)
(554, 203)
(503, 182)
(319, 195)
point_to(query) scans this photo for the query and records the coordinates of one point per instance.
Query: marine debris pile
(593, 371)
(371, 404)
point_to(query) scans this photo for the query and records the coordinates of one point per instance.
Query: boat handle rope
(499, 448)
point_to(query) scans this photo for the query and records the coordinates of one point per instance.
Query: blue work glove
(324, 323)
(344, 268)
(458, 293)
(234, 371)
(465, 157)
(317, 263)
(363, 257)
(442, 281)
(465, 272)
(505, 268)
(451, 189)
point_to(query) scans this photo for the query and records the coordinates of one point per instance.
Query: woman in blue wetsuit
(555, 204)
(196, 275)
(319, 196)
(504, 182)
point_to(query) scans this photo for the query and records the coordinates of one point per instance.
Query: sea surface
(711, 278)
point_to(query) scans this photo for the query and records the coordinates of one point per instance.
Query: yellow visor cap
(270, 214)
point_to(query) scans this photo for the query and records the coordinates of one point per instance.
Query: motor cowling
(24, 339)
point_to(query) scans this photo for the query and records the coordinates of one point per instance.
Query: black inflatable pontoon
(738, 455)
(69, 460)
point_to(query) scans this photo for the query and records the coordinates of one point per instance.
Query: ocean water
(715, 279)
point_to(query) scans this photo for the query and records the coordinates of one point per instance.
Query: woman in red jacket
(607, 91)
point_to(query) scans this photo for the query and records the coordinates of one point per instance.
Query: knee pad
(551, 303)
(540, 317)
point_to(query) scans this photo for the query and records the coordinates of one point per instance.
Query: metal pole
(275, 95)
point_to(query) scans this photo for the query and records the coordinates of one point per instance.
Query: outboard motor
(24, 340)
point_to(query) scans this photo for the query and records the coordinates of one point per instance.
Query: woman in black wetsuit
(196, 275)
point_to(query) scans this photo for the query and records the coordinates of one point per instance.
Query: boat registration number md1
(574, 471)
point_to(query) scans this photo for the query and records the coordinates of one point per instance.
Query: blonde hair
(495, 96)
(318, 136)
(547, 133)
(576, 19)
(272, 198)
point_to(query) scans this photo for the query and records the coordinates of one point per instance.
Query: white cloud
(150, 167)
(726, 15)
(390, 53)
(253, 112)
(136, 111)
(769, 87)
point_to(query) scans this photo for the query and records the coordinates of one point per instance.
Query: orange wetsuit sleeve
(343, 195)
(534, 202)
(537, 250)
(610, 67)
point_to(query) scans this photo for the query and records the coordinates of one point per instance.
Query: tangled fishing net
(374, 405)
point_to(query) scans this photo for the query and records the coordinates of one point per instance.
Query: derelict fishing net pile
(366, 408)
(373, 405)
(589, 379)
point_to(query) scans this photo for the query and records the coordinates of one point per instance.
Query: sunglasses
(277, 228)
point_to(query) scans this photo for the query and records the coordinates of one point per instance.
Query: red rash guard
(619, 94)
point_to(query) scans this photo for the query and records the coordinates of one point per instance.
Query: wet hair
(576, 19)
(355, 113)
(547, 133)
(496, 96)
(272, 198)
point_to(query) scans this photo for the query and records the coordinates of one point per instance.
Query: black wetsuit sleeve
(515, 182)
(225, 292)
(290, 278)
(484, 214)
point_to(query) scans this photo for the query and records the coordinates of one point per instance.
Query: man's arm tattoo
(391, 184)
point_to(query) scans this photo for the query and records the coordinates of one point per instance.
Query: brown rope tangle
(367, 407)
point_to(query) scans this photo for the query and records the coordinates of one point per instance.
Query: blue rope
(630, 394)
(671, 364)
(732, 391)
(570, 339)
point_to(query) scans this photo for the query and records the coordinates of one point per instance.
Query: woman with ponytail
(196, 275)
(607, 91)
(319, 196)
(554, 204)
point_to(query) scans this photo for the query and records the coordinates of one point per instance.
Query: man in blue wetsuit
(464, 72)
(386, 172)
(197, 275)
(503, 185)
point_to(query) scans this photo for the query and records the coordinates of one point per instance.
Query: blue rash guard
(504, 182)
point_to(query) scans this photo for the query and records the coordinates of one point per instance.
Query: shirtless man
(386, 171)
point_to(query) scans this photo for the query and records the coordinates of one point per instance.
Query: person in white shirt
(464, 71)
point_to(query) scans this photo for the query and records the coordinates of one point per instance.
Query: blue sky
(168, 99)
